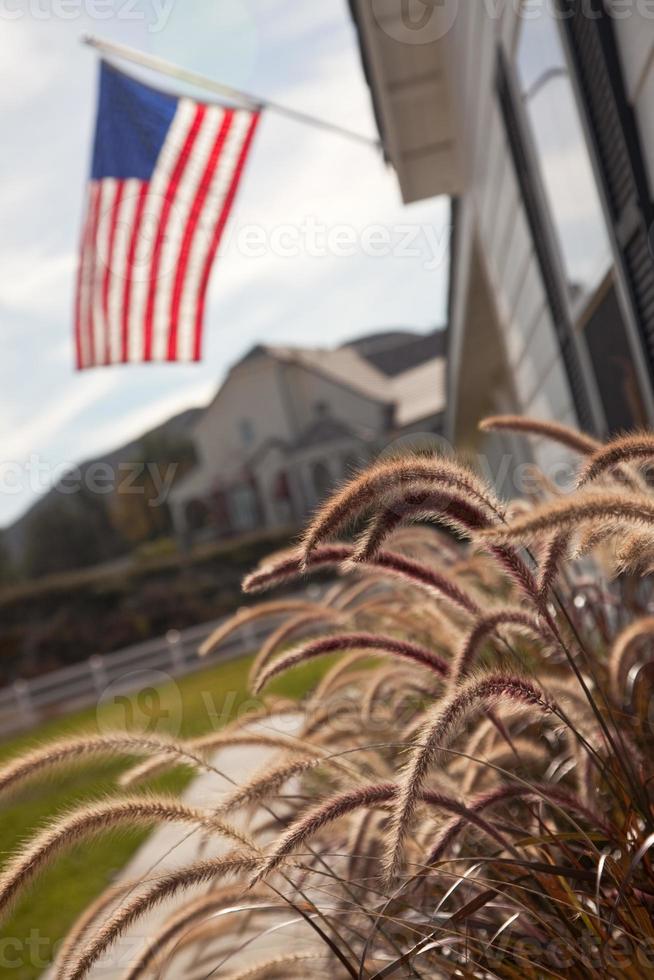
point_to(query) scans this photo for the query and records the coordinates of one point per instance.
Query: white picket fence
(26, 702)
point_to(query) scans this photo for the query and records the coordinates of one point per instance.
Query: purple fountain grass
(634, 448)
(519, 620)
(96, 818)
(277, 966)
(393, 675)
(441, 726)
(515, 568)
(82, 747)
(103, 904)
(635, 552)
(452, 510)
(269, 780)
(337, 675)
(579, 442)
(176, 926)
(389, 563)
(538, 793)
(170, 884)
(624, 645)
(336, 807)
(376, 643)
(389, 476)
(205, 745)
(405, 745)
(550, 562)
(286, 631)
(291, 565)
(573, 512)
(243, 617)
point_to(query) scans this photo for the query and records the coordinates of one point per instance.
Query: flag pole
(164, 67)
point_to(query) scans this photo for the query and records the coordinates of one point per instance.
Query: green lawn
(194, 704)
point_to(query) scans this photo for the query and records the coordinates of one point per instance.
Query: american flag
(164, 176)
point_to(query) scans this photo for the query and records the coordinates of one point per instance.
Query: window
(559, 141)
(612, 361)
(561, 185)
(244, 510)
(280, 486)
(246, 430)
(322, 480)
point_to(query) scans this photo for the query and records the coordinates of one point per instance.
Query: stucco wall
(307, 390)
(251, 392)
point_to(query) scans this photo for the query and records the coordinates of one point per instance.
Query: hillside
(105, 535)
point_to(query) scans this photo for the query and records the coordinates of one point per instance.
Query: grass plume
(168, 885)
(440, 728)
(96, 818)
(519, 620)
(470, 782)
(244, 617)
(564, 435)
(387, 477)
(635, 448)
(339, 643)
(569, 514)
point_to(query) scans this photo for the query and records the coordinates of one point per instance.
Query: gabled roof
(343, 366)
(394, 351)
(400, 369)
(419, 393)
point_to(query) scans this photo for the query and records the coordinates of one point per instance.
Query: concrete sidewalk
(172, 846)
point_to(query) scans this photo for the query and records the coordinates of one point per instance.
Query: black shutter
(616, 144)
(524, 169)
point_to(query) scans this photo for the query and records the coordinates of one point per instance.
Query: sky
(342, 257)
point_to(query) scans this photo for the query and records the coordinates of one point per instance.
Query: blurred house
(538, 120)
(288, 424)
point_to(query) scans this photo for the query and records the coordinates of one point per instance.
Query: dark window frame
(616, 151)
(573, 354)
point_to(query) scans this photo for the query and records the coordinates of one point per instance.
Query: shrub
(470, 792)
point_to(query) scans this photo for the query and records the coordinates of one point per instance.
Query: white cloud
(35, 283)
(28, 66)
(62, 407)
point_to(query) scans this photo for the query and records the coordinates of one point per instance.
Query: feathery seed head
(579, 442)
(441, 726)
(635, 448)
(389, 476)
(570, 513)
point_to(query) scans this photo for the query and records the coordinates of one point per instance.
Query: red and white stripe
(147, 248)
